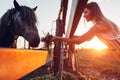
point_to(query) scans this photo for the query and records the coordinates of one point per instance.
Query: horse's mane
(4, 22)
(6, 33)
(7, 23)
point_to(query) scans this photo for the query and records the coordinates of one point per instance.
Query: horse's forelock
(28, 15)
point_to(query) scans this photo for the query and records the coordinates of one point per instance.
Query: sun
(97, 44)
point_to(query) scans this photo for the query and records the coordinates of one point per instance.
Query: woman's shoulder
(102, 27)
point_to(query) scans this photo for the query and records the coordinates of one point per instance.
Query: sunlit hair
(97, 14)
(95, 11)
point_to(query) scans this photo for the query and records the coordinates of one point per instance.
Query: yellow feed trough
(15, 63)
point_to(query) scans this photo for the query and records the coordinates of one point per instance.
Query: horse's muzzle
(35, 42)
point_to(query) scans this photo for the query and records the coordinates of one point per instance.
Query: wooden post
(57, 47)
(60, 30)
(75, 15)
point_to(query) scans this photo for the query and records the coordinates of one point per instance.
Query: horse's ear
(35, 8)
(16, 4)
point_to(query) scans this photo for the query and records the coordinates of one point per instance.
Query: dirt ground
(97, 74)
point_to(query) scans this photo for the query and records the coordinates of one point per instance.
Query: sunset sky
(48, 10)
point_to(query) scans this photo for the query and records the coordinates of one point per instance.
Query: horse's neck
(6, 38)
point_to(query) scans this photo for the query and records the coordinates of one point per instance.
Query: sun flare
(97, 44)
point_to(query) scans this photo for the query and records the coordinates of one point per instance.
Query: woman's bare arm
(78, 39)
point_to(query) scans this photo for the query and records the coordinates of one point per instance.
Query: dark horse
(19, 21)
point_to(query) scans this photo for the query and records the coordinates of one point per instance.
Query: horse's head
(24, 21)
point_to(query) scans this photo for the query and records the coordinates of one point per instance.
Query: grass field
(93, 65)
(99, 63)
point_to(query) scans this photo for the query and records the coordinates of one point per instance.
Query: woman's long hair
(97, 14)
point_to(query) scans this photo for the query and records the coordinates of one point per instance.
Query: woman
(103, 28)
